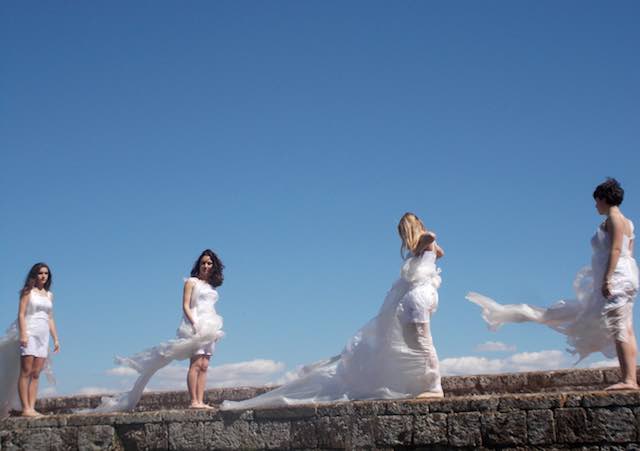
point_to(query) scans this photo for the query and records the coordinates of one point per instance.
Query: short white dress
(591, 322)
(203, 311)
(187, 344)
(37, 317)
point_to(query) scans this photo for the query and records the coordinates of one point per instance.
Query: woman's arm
(53, 331)
(186, 301)
(615, 227)
(426, 242)
(22, 319)
(439, 250)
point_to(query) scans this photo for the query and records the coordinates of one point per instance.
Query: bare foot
(430, 395)
(200, 405)
(622, 386)
(30, 413)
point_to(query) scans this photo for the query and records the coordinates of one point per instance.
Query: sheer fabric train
(378, 362)
(148, 362)
(590, 322)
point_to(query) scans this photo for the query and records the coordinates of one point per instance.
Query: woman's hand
(56, 346)
(606, 291)
(24, 340)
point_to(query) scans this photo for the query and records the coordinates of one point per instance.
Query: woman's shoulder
(191, 281)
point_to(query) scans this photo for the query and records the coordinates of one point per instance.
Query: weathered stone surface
(571, 425)
(97, 437)
(275, 434)
(607, 398)
(532, 401)
(430, 429)
(303, 434)
(363, 432)
(239, 434)
(187, 435)
(64, 438)
(615, 425)
(334, 432)
(464, 429)
(143, 436)
(504, 428)
(285, 413)
(393, 430)
(540, 427)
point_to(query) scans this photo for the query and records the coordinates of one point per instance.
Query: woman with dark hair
(600, 318)
(28, 337)
(200, 329)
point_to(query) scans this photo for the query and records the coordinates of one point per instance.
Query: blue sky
(290, 137)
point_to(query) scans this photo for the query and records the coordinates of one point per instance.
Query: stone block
(275, 434)
(237, 434)
(614, 425)
(571, 425)
(504, 429)
(410, 407)
(464, 429)
(430, 429)
(303, 434)
(98, 437)
(285, 413)
(540, 427)
(334, 432)
(393, 430)
(186, 435)
(363, 432)
(503, 383)
(64, 438)
(611, 398)
(533, 401)
(143, 436)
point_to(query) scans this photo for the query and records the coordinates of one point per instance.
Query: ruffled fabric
(376, 363)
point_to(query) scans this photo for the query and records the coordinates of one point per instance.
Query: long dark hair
(216, 278)
(32, 277)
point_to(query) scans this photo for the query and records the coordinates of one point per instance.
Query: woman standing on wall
(25, 347)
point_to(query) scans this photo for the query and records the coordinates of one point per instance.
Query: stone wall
(587, 419)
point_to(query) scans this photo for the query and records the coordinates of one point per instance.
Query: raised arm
(615, 227)
(22, 319)
(186, 302)
(426, 242)
(52, 329)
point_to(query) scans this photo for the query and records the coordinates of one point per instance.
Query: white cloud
(601, 363)
(523, 361)
(495, 346)
(256, 372)
(88, 391)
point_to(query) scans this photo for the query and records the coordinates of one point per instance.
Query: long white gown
(187, 344)
(590, 322)
(379, 361)
(37, 316)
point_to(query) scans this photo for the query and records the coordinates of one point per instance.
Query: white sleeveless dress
(378, 362)
(37, 317)
(591, 322)
(187, 344)
(39, 308)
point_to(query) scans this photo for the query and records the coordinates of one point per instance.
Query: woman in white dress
(199, 330)
(600, 318)
(25, 347)
(393, 355)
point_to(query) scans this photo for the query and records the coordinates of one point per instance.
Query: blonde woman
(393, 355)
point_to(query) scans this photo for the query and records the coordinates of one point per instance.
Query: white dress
(590, 322)
(384, 359)
(187, 344)
(37, 316)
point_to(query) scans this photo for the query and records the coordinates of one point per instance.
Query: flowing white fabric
(207, 332)
(37, 320)
(383, 360)
(590, 322)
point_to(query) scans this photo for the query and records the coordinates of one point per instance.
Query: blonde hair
(410, 229)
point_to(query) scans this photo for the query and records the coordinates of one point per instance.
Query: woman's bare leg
(26, 366)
